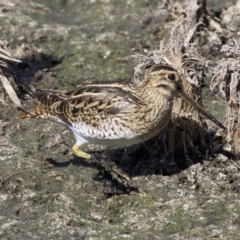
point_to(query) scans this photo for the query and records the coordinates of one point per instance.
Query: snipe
(115, 114)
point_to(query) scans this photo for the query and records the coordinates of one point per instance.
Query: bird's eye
(171, 76)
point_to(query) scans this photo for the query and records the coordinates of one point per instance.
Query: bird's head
(165, 79)
(168, 82)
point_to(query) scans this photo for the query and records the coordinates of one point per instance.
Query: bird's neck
(155, 95)
(159, 104)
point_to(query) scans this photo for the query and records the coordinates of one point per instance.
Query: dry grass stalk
(6, 75)
(226, 76)
(180, 52)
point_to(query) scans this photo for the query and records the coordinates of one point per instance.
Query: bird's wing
(94, 98)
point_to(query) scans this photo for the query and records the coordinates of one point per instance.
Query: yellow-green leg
(79, 152)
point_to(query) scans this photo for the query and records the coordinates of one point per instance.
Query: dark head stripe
(164, 67)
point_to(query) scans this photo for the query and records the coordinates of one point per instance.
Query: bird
(115, 114)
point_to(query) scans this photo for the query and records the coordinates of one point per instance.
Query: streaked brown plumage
(115, 114)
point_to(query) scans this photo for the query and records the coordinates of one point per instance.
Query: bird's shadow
(112, 186)
(148, 158)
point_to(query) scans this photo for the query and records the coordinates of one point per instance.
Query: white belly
(116, 136)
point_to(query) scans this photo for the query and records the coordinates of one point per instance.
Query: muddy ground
(46, 192)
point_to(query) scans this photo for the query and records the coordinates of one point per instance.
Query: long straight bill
(199, 108)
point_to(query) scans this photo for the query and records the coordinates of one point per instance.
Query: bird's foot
(105, 164)
(80, 153)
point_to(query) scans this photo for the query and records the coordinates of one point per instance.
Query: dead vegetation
(226, 78)
(6, 75)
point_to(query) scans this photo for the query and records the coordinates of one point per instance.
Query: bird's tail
(25, 115)
(38, 112)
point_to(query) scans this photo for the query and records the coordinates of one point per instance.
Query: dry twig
(6, 74)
